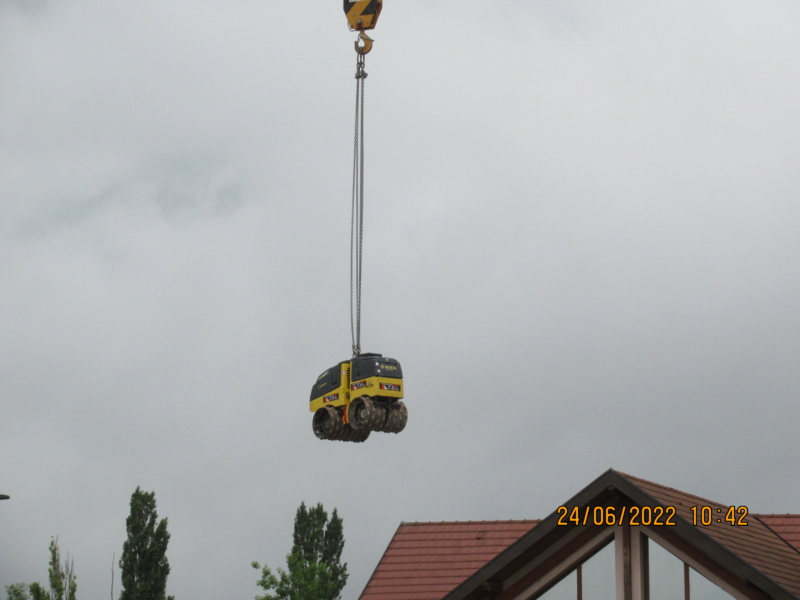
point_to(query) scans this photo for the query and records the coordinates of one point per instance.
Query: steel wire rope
(357, 211)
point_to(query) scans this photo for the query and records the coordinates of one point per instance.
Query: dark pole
(4, 497)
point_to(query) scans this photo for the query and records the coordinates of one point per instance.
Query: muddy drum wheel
(327, 423)
(354, 435)
(398, 416)
(360, 413)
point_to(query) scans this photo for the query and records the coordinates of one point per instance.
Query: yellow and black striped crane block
(362, 14)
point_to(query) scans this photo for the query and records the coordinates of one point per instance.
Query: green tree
(62, 577)
(38, 592)
(144, 563)
(62, 580)
(315, 570)
(18, 591)
(24, 591)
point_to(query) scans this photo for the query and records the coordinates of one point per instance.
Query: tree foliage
(315, 570)
(19, 591)
(25, 591)
(144, 563)
(38, 592)
(62, 577)
(62, 580)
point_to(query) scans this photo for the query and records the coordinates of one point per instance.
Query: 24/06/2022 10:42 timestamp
(650, 515)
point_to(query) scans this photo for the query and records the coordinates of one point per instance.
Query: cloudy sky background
(581, 243)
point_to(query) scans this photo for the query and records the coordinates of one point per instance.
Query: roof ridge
(775, 532)
(634, 478)
(747, 557)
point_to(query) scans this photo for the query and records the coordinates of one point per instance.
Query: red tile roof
(786, 526)
(757, 544)
(425, 561)
(431, 561)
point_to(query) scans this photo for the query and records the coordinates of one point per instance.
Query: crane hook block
(362, 14)
(363, 37)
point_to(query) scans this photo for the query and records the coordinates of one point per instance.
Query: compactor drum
(359, 396)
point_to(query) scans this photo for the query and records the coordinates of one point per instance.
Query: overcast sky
(582, 243)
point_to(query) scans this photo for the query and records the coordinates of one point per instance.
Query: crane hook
(363, 37)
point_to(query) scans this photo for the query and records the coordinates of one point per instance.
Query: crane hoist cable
(361, 16)
(357, 201)
(365, 393)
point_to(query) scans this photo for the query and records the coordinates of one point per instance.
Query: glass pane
(598, 576)
(666, 573)
(701, 588)
(566, 589)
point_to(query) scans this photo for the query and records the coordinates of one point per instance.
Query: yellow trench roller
(359, 396)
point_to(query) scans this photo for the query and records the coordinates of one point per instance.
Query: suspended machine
(362, 394)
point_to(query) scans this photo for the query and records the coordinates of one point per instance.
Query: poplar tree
(62, 577)
(315, 570)
(144, 563)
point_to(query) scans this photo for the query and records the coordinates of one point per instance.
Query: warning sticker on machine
(330, 398)
(358, 385)
(390, 386)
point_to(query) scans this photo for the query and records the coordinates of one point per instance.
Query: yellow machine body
(362, 14)
(373, 376)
